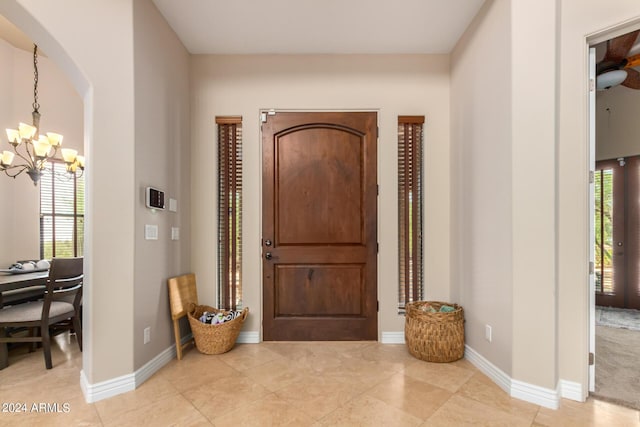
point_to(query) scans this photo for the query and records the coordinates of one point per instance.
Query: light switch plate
(173, 205)
(175, 233)
(151, 232)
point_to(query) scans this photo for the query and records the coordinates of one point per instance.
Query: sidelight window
(229, 212)
(410, 209)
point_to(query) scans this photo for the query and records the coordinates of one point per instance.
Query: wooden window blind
(61, 213)
(229, 212)
(410, 210)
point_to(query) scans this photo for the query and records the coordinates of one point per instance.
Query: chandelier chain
(36, 105)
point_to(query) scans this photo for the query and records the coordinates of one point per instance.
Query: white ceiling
(318, 26)
(307, 26)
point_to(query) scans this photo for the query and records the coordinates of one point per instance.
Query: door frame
(590, 41)
(591, 222)
(271, 111)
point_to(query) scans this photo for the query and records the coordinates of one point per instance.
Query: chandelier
(34, 150)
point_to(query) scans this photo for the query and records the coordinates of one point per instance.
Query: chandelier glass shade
(31, 150)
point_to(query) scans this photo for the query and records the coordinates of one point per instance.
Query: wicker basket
(214, 339)
(434, 337)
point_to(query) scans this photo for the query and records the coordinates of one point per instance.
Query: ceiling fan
(617, 66)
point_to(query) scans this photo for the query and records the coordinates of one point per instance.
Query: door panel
(319, 290)
(319, 226)
(316, 168)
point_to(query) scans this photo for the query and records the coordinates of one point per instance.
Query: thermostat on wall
(154, 198)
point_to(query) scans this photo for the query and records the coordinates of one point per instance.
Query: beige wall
(581, 20)
(481, 117)
(73, 32)
(534, 192)
(62, 112)
(135, 129)
(7, 189)
(162, 161)
(392, 85)
(503, 139)
(617, 124)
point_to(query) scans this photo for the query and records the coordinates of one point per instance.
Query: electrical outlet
(487, 332)
(147, 334)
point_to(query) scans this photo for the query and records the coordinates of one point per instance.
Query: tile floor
(281, 384)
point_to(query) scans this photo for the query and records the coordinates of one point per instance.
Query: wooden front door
(319, 221)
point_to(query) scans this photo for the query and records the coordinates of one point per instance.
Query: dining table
(10, 284)
(11, 287)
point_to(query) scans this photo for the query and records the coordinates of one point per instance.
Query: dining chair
(61, 302)
(182, 292)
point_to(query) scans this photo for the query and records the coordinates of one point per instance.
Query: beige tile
(224, 395)
(443, 375)
(194, 370)
(464, 363)
(315, 383)
(269, 411)
(276, 375)
(492, 395)
(370, 412)
(352, 366)
(63, 411)
(479, 376)
(295, 350)
(246, 356)
(170, 411)
(319, 395)
(392, 354)
(37, 386)
(412, 396)
(154, 389)
(462, 411)
(317, 363)
(590, 413)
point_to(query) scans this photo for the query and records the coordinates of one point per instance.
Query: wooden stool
(182, 292)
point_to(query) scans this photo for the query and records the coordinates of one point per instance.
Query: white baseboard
(489, 369)
(106, 389)
(392, 338)
(249, 337)
(520, 390)
(113, 387)
(571, 390)
(535, 394)
(154, 365)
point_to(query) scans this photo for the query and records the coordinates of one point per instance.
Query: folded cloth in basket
(220, 317)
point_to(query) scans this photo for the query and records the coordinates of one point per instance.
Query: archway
(26, 23)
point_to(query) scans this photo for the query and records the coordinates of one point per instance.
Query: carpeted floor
(618, 356)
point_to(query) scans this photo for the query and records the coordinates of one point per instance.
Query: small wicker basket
(434, 337)
(214, 339)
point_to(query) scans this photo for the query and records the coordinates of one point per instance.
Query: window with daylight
(410, 209)
(61, 213)
(229, 212)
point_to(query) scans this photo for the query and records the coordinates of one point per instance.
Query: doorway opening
(615, 225)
